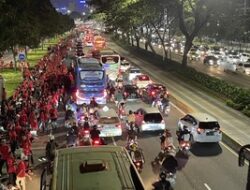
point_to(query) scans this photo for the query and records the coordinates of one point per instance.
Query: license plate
(210, 133)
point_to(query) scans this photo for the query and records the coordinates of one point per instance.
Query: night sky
(73, 5)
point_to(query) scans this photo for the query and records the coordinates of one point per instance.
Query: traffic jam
(113, 99)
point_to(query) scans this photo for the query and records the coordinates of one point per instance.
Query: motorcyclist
(164, 102)
(183, 134)
(95, 133)
(162, 184)
(50, 150)
(93, 103)
(131, 132)
(166, 139)
(131, 117)
(72, 136)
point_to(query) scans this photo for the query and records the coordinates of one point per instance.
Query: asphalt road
(210, 166)
(235, 78)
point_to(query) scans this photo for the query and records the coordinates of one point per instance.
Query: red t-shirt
(21, 168)
(11, 165)
(4, 151)
(26, 146)
(12, 135)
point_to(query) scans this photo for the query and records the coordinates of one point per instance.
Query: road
(210, 166)
(238, 79)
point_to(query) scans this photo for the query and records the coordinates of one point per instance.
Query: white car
(133, 72)
(88, 44)
(244, 67)
(244, 57)
(152, 119)
(226, 65)
(109, 123)
(233, 58)
(204, 127)
(125, 65)
(141, 81)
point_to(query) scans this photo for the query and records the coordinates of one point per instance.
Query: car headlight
(211, 62)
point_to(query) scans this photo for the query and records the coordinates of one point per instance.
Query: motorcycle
(163, 108)
(98, 141)
(138, 159)
(71, 139)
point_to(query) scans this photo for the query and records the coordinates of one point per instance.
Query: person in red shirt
(21, 174)
(11, 169)
(4, 153)
(13, 139)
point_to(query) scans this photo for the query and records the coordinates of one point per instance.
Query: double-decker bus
(103, 167)
(91, 81)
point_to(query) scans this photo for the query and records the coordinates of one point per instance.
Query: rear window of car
(143, 78)
(153, 117)
(125, 64)
(108, 120)
(135, 71)
(209, 125)
(247, 65)
(158, 87)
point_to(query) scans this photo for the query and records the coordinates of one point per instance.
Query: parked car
(244, 57)
(204, 127)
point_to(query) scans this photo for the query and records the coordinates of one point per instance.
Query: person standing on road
(4, 153)
(21, 174)
(11, 169)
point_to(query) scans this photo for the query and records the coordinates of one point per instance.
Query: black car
(210, 60)
(130, 92)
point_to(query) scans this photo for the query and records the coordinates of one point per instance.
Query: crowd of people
(31, 111)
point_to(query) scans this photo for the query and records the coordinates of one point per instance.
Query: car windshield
(153, 117)
(91, 75)
(109, 120)
(209, 125)
(135, 71)
(125, 64)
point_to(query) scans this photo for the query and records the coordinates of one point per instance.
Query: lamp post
(244, 154)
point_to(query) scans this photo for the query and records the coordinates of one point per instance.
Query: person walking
(21, 174)
(4, 152)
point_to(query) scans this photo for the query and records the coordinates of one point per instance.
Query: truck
(90, 81)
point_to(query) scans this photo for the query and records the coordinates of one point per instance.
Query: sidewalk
(235, 126)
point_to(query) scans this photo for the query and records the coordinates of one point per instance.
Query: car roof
(114, 159)
(203, 117)
(150, 109)
(109, 113)
(134, 105)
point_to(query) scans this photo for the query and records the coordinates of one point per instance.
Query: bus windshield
(91, 75)
(110, 59)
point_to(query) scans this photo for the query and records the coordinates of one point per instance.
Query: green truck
(93, 168)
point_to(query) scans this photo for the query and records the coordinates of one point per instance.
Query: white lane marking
(179, 109)
(113, 139)
(206, 185)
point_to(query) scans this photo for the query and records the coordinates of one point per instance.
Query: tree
(193, 15)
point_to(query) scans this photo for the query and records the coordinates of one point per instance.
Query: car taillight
(162, 121)
(96, 142)
(199, 130)
(137, 163)
(118, 126)
(86, 131)
(125, 93)
(153, 93)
